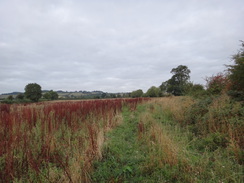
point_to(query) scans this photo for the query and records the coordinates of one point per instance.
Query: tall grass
(167, 158)
(219, 119)
(55, 142)
(193, 141)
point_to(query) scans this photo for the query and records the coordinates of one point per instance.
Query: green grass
(163, 151)
(123, 156)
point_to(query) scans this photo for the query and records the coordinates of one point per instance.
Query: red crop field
(55, 141)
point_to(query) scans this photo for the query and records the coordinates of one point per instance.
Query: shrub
(51, 95)
(195, 90)
(217, 84)
(20, 96)
(137, 93)
(153, 92)
(198, 110)
(212, 142)
(10, 97)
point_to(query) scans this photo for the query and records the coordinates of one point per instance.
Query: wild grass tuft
(178, 154)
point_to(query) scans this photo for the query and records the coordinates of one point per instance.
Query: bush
(195, 90)
(236, 95)
(198, 110)
(212, 142)
(51, 95)
(20, 96)
(137, 93)
(6, 101)
(10, 97)
(153, 92)
(217, 84)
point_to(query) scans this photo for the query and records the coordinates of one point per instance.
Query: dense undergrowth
(205, 138)
(177, 139)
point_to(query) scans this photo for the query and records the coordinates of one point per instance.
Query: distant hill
(13, 93)
(5, 95)
(75, 94)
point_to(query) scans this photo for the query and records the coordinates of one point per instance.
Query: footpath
(123, 154)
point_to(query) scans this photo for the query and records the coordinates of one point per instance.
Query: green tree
(178, 82)
(137, 93)
(236, 74)
(163, 86)
(46, 95)
(33, 92)
(51, 95)
(195, 90)
(153, 92)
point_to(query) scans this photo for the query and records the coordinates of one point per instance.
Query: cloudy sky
(114, 45)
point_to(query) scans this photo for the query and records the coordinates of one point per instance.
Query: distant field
(74, 95)
(61, 94)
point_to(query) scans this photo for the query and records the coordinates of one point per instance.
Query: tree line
(33, 93)
(231, 81)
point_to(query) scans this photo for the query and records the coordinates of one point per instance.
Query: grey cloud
(114, 45)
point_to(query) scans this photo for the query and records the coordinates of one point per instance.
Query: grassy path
(150, 146)
(122, 155)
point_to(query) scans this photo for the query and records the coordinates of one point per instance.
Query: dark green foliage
(179, 80)
(163, 87)
(237, 70)
(198, 110)
(197, 87)
(153, 92)
(195, 90)
(33, 92)
(137, 93)
(177, 84)
(174, 87)
(10, 97)
(212, 142)
(8, 100)
(181, 74)
(51, 95)
(236, 75)
(20, 96)
(217, 122)
(237, 95)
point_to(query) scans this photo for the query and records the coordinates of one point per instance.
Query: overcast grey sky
(114, 45)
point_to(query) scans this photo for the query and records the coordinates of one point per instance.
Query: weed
(55, 141)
